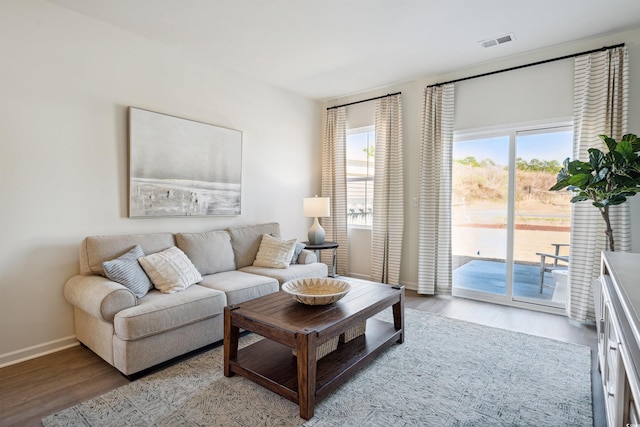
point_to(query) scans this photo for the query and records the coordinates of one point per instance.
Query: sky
(357, 144)
(542, 146)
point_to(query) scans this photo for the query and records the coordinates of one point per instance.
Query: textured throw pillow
(296, 252)
(275, 252)
(127, 271)
(170, 270)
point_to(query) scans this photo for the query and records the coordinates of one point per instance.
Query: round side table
(322, 246)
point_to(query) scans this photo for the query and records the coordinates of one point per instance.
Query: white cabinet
(618, 335)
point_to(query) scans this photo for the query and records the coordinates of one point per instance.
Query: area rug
(447, 373)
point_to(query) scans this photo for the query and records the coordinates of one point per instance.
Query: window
(360, 170)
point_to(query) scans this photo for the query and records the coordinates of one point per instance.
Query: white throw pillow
(170, 270)
(275, 252)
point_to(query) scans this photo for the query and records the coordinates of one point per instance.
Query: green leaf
(609, 142)
(562, 175)
(627, 191)
(626, 149)
(560, 185)
(601, 175)
(578, 166)
(618, 199)
(579, 198)
(630, 137)
(633, 140)
(616, 160)
(580, 180)
(596, 157)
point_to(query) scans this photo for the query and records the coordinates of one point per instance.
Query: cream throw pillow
(274, 252)
(170, 270)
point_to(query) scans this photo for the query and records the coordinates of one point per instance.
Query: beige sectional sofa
(134, 334)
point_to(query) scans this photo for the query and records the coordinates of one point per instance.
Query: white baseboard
(358, 276)
(410, 285)
(32, 352)
(407, 285)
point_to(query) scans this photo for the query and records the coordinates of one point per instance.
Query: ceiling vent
(495, 41)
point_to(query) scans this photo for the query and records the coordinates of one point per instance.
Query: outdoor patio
(490, 276)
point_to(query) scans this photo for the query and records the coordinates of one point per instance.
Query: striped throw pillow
(127, 271)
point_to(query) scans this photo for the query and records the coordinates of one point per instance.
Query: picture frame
(182, 168)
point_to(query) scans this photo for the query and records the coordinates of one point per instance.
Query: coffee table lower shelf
(278, 371)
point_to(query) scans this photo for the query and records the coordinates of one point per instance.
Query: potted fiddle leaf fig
(607, 179)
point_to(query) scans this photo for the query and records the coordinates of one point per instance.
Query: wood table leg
(307, 364)
(398, 315)
(231, 337)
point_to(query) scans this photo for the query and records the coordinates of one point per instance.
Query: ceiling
(325, 49)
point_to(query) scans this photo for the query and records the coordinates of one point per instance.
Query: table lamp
(316, 207)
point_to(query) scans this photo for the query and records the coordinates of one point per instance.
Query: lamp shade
(316, 207)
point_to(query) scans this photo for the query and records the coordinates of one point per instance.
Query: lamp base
(316, 233)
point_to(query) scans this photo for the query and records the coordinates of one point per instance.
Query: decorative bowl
(316, 291)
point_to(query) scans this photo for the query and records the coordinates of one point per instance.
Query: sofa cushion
(210, 252)
(158, 312)
(127, 271)
(95, 250)
(306, 257)
(295, 271)
(246, 240)
(240, 287)
(274, 252)
(170, 270)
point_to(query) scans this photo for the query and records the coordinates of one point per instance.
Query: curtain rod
(528, 65)
(364, 100)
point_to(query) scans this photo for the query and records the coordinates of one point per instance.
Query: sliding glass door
(510, 233)
(479, 214)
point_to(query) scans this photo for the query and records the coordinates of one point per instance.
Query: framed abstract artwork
(180, 167)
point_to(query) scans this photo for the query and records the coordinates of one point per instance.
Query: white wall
(515, 97)
(65, 84)
(525, 95)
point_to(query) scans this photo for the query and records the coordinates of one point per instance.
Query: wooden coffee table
(288, 325)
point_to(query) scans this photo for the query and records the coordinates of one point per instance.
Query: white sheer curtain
(388, 192)
(600, 107)
(434, 227)
(334, 185)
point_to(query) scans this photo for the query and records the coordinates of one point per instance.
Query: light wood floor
(33, 389)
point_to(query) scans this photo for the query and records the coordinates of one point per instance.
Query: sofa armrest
(307, 257)
(98, 296)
